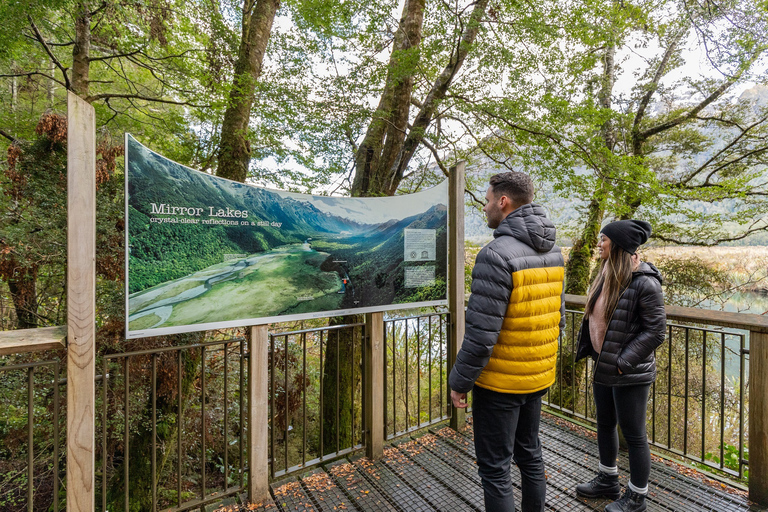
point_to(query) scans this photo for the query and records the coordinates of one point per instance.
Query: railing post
(374, 385)
(758, 417)
(258, 405)
(81, 304)
(456, 277)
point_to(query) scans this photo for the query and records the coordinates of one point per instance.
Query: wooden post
(374, 385)
(758, 417)
(456, 277)
(81, 304)
(258, 405)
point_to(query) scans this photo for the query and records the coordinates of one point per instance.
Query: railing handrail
(748, 321)
(22, 341)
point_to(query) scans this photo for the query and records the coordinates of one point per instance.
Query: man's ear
(507, 204)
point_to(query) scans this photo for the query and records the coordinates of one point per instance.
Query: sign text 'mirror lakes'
(193, 211)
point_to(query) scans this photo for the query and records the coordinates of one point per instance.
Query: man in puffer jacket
(507, 359)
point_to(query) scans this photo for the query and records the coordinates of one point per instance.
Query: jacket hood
(648, 269)
(530, 225)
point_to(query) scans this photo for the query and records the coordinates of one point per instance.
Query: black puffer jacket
(635, 329)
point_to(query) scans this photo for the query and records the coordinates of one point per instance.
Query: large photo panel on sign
(205, 252)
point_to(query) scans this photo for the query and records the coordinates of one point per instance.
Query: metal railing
(698, 404)
(31, 459)
(172, 420)
(183, 409)
(315, 380)
(416, 350)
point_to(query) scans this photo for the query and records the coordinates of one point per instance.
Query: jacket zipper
(594, 373)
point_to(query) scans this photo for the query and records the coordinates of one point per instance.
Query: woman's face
(603, 247)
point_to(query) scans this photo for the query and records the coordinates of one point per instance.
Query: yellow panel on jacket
(525, 355)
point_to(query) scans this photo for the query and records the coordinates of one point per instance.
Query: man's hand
(459, 399)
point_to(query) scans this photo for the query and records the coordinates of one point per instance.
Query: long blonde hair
(614, 276)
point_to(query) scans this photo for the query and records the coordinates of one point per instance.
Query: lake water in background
(740, 302)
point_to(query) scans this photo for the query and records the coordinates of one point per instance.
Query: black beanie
(628, 234)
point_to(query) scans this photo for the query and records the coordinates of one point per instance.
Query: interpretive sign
(206, 253)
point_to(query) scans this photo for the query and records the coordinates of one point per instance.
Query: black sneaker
(602, 486)
(630, 502)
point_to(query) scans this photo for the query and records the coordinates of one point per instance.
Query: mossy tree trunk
(342, 376)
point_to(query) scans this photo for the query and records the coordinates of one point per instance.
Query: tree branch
(709, 243)
(114, 56)
(33, 73)
(653, 86)
(105, 96)
(9, 136)
(701, 106)
(98, 9)
(439, 90)
(744, 132)
(58, 64)
(438, 160)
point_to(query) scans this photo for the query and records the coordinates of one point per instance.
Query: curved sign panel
(207, 253)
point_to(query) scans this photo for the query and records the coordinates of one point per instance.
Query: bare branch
(709, 243)
(438, 160)
(9, 136)
(704, 103)
(744, 132)
(114, 56)
(33, 73)
(58, 64)
(98, 97)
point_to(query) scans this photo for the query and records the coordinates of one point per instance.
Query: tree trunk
(341, 377)
(384, 143)
(577, 270)
(22, 283)
(235, 150)
(577, 275)
(384, 139)
(81, 51)
(168, 428)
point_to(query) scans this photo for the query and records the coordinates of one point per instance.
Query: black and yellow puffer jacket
(516, 310)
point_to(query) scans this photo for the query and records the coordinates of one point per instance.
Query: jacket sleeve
(491, 289)
(653, 322)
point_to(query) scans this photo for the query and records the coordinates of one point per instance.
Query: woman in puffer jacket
(624, 322)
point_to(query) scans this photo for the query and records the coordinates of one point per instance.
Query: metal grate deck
(437, 472)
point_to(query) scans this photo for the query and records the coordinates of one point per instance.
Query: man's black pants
(507, 427)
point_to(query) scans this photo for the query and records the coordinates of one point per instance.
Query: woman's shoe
(631, 501)
(602, 486)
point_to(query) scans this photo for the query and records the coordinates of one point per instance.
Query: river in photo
(287, 278)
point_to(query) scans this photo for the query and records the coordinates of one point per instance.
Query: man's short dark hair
(517, 186)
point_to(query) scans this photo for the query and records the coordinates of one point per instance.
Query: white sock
(638, 490)
(608, 471)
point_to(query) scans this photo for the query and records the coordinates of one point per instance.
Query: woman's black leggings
(625, 405)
